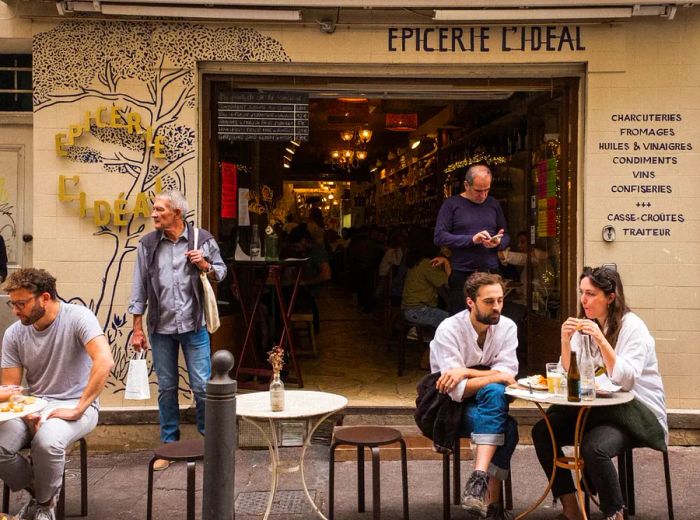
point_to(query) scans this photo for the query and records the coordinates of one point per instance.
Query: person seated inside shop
(317, 270)
(389, 265)
(336, 254)
(315, 222)
(426, 279)
(364, 253)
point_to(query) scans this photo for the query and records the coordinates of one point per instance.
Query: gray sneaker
(45, 513)
(28, 511)
(474, 496)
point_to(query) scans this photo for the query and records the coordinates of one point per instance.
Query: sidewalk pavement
(118, 486)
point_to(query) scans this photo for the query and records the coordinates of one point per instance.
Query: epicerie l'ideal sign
(110, 117)
(484, 39)
(104, 211)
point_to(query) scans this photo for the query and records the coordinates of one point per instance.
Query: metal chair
(61, 506)
(625, 469)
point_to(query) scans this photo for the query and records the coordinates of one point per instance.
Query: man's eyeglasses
(19, 304)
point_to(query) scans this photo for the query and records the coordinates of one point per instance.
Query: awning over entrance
(376, 11)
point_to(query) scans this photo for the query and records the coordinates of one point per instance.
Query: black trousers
(600, 444)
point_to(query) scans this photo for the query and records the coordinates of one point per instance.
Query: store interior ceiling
(330, 116)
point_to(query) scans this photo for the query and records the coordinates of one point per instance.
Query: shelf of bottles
(404, 191)
(455, 167)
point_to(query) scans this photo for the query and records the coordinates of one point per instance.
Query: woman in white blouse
(625, 349)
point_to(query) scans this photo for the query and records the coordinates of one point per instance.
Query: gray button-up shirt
(176, 309)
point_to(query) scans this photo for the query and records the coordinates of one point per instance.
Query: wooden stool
(367, 437)
(61, 505)
(189, 451)
(422, 332)
(506, 494)
(308, 319)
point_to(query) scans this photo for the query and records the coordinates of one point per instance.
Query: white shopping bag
(137, 386)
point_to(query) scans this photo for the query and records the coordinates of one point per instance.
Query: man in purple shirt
(473, 226)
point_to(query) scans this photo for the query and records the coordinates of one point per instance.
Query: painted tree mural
(149, 68)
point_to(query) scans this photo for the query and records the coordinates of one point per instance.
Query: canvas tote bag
(211, 311)
(137, 386)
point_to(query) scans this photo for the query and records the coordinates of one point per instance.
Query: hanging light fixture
(364, 135)
(347, 135)
(348, 158)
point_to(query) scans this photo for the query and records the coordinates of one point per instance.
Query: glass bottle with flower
(276, 359)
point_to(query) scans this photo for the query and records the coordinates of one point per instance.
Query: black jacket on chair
(437, 415)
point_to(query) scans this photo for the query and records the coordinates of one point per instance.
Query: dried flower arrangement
(264, 203)
(276, 358)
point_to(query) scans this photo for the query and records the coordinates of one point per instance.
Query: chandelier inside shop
(352, 150)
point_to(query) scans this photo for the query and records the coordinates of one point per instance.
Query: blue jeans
(486, 421)
(425, 315)
(197, 353)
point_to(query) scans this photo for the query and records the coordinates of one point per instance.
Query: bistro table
(571, 463)
(264, 271)
(313, 407)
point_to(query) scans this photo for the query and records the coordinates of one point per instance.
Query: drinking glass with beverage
(553, 378)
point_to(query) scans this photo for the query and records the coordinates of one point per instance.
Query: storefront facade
(118, 115)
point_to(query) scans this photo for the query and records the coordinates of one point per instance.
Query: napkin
(603, 383)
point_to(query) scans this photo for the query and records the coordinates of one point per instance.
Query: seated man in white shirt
(475, 351)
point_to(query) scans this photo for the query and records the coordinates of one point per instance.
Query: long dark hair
(608, 280)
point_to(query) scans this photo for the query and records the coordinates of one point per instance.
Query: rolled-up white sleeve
(445, 354)
(631, 357)
(505, 359)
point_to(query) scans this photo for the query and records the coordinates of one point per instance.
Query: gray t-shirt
(55, 361)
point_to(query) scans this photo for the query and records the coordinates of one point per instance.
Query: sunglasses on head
(602, 274)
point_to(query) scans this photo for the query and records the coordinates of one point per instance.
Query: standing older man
(473, 226)
(474, 352)
(166, 279)
(61, 349)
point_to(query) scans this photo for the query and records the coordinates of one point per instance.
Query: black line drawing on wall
(149, 68)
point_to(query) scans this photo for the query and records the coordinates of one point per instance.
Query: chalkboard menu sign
(263, 116)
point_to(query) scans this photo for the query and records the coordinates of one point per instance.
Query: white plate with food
(19, 406)
(536, 382)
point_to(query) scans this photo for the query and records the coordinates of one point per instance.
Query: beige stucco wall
(644, 66)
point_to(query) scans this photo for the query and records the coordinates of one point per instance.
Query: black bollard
(220, 440)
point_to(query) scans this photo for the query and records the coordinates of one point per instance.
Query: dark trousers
(598, 447)
(363, 285)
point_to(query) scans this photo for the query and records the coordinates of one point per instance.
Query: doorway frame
(495, 77)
